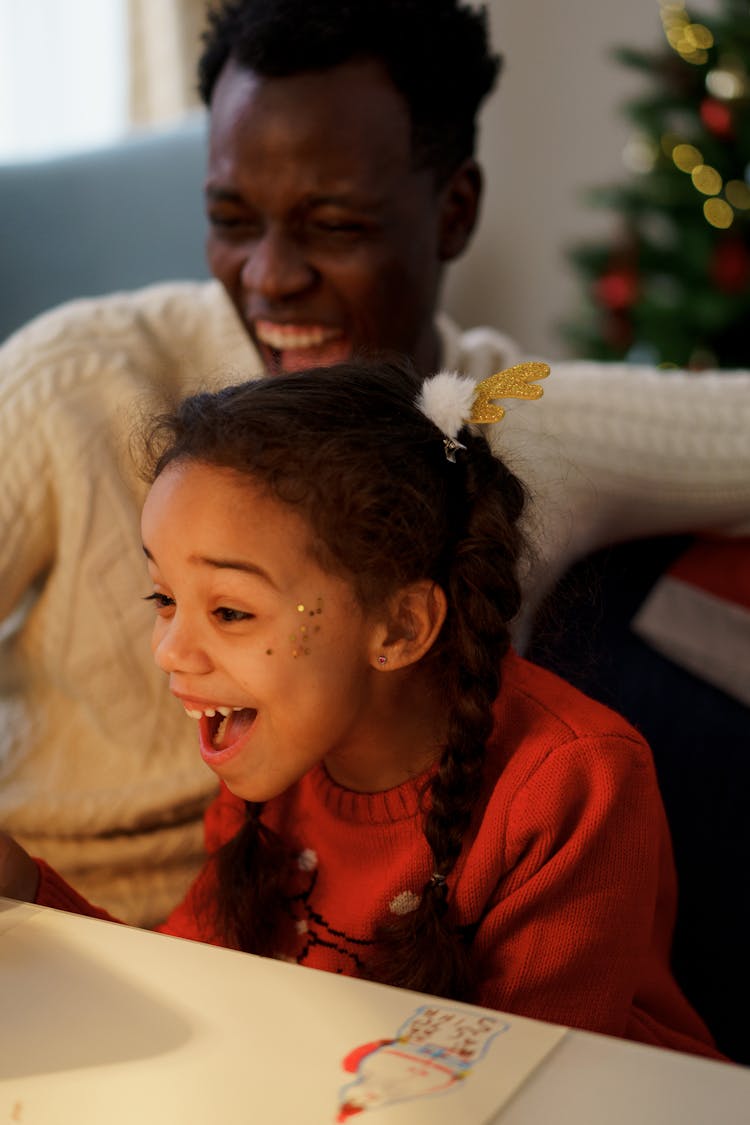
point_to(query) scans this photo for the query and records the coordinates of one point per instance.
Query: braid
(250, 871)
(423, 950)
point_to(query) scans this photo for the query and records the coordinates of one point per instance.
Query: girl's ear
(459, 209)
(415, 617)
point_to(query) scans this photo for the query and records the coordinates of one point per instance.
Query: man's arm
(616, 451)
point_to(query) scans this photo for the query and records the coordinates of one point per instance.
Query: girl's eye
(224, 613)
(161, 601)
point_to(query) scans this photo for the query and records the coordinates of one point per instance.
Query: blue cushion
(113, 218)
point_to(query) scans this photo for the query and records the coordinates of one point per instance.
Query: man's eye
(348, 230)
(224, 613)
(223, 220)
(161, 601)
(244, 225)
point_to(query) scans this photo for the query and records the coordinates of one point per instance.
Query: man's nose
(177, 647)
(276, 267)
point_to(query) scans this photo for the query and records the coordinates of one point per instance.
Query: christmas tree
(673, 285)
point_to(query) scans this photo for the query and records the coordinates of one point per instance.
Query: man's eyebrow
(347, 197)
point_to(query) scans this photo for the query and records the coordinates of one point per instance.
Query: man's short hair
(436, 53)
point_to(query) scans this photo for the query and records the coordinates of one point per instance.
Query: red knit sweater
(567, 868)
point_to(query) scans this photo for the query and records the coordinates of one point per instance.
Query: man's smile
(294, 347)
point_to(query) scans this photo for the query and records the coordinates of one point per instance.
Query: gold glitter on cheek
(300, 640)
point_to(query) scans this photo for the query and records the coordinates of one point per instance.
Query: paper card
(444, 1063)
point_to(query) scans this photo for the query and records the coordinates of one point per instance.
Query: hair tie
(451, 400)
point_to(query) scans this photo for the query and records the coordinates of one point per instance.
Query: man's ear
(459, 209)
(415, 617)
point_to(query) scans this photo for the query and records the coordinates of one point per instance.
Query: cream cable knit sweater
(99, 772)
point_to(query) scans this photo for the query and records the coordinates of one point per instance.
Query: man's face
(326, 238)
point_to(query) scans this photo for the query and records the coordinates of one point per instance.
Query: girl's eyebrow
(235, 564)
(242, 565)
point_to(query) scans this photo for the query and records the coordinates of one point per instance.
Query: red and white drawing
(436, 1048)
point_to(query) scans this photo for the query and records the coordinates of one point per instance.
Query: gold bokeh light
(687, 157)
(738, 194)
(691, 41)
(718, 213)
(706, 179)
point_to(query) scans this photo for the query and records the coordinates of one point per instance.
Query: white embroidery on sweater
(404, 903)
(307, 860)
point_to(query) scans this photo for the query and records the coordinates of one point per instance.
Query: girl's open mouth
(221, 735)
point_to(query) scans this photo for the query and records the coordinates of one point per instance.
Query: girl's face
(272, 655)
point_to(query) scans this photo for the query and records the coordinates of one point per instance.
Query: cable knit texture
(566, 872)
(99, 771)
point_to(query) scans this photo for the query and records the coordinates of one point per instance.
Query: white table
(105, 1025)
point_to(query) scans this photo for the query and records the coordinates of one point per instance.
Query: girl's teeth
(210, 712)
(220, 731)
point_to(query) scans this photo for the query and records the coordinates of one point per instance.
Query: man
(341, 181)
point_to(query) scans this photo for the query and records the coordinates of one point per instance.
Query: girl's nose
(177, 647)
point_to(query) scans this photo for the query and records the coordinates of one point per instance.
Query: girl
(333, 558)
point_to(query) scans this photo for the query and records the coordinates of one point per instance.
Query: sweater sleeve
(54, 891)
(581, 926)
(222, 820)
(27, 512)
(619, 451)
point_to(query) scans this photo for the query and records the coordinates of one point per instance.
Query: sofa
(69, 221)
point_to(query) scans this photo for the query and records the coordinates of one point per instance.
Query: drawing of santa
(435, 1049)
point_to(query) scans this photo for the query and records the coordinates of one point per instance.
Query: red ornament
(717, 117)
(617, 288)
(730, 265)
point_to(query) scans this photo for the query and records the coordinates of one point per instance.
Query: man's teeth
(287, 336)
(210, 712)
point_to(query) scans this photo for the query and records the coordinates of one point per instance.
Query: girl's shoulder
(555, 754)
(533, 694)
(538, 713)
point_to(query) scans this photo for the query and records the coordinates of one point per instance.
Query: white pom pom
(447, 399)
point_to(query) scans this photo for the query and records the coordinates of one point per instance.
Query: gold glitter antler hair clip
(451, 400)
(514, 382)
